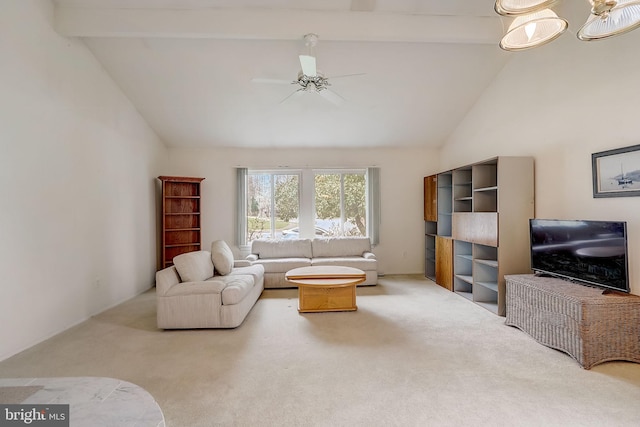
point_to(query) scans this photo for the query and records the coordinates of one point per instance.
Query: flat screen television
(588, 252)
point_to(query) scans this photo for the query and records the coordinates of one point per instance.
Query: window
(306, 204)
(340, 205)
(273, 204)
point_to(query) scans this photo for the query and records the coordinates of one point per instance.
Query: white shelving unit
(491, 203)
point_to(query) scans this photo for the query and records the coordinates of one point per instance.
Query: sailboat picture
(616, 173)
(623, 180)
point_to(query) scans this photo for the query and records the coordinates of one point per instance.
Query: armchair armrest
(168, 284)
(237, 263)
(166, 279)
(205, 287)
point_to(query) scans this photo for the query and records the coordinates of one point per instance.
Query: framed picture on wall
(616, 173)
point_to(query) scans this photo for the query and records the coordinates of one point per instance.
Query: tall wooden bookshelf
(181, 216)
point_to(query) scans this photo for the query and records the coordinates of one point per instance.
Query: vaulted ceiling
(189, 67)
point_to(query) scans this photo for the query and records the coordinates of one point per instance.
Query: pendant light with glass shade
(533, 29)
(520, 7)
(610, 18)
(535, 24)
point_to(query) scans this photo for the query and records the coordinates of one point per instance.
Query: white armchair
(193, 293)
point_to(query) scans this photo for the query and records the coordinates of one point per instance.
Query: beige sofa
(207, 290)
(279, 256)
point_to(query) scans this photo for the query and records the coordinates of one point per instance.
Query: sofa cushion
(282, 265)
(257, 271)
(194, 266)
(222, 257)
(340, 246)
(288, 248)
(355, 262)
(238, 286)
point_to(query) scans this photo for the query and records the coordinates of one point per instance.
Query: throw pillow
(194, 266)
(222, 257)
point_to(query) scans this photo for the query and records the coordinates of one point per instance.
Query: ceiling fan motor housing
(311, 40)
(317, 82)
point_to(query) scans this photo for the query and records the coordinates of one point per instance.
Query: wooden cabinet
(484, 208)
(431, 221)
(431, 198)
(444, 262)
(181, 219)
(438, 208)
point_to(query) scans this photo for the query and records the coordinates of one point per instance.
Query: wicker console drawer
(590, 326)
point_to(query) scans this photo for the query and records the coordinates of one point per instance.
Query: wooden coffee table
(326, 288)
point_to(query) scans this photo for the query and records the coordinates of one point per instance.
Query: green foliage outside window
(327, 199)
(284, 206)
(286, 197)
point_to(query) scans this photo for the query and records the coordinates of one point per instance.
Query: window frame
(342, 172)
(272, 173)
(306, 199)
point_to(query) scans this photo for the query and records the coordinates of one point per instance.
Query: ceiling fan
(310, 79)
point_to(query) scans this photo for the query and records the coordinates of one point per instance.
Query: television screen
(592, 252)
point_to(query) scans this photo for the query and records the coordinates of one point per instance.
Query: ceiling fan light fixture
(310, 79)
(532, 30)
(310, 43)
(521, 7)
(610, 18)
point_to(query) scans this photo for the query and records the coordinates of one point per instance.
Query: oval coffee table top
(325, 275)
(325, 272)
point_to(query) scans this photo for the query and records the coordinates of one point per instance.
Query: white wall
(401, 248)
(77, 183)
(560, 103)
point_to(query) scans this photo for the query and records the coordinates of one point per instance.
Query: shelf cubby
(462, 266)
(485, 175)
(445, 207)
(430, 232)
(462, 190)
(485, 187)
(485, 200)
(485, 275)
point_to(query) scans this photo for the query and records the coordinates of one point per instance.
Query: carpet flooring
(17, 394)
(413, 354)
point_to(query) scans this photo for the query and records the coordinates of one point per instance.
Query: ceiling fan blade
(346, 75)
(272, 81)
(308, 64)
(331, 96)
(293, 94)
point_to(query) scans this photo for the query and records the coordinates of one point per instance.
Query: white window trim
(306, 209)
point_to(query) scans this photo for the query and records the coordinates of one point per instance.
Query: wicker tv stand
(589, 325)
